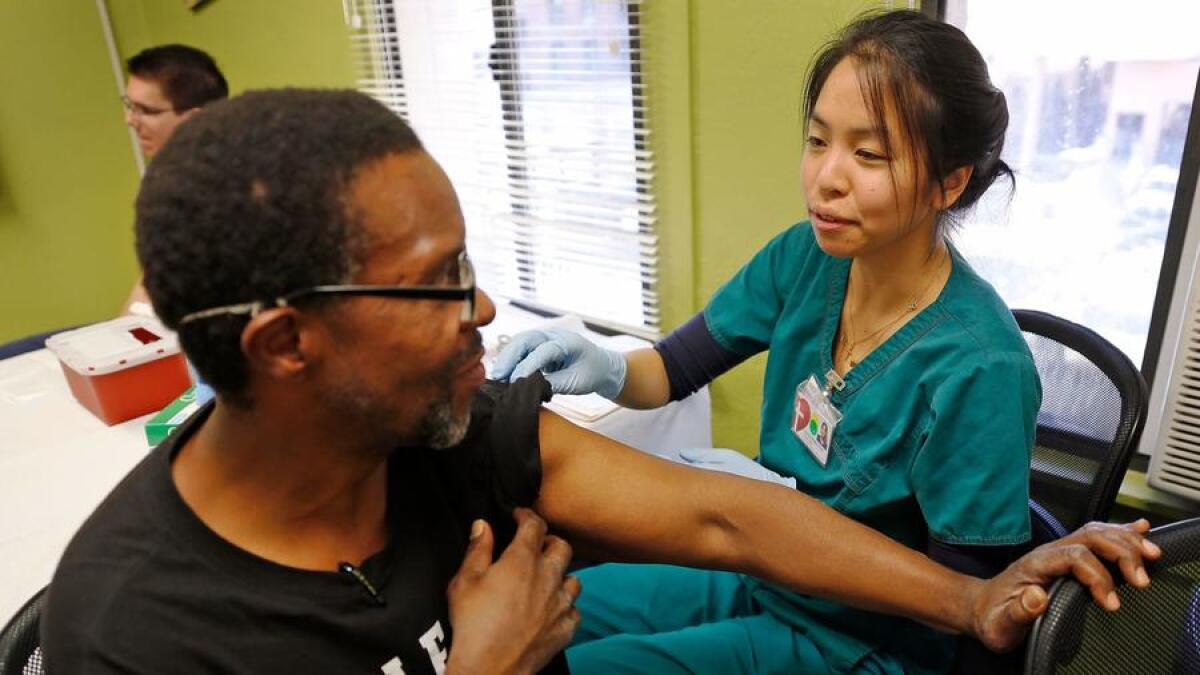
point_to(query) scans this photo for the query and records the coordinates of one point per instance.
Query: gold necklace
(848, 346)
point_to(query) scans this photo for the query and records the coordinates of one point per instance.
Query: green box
(164, 421)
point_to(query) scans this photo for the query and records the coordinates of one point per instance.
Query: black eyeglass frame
(466, 293)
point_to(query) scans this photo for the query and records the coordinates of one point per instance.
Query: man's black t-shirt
(146, 587)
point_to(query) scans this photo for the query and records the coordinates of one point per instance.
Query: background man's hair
(189, 77)
(248, 202)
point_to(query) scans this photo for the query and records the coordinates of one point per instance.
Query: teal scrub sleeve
(743, 313)
(971, 474)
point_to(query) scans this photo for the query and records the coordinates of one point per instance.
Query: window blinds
(536, 110)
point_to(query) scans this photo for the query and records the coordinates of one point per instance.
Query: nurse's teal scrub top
(937, 426)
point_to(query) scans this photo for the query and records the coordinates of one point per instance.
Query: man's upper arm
(616, 503)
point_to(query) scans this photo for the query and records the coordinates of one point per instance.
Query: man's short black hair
(248, 202)
(189, 77)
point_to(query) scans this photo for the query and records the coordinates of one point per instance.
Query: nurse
(898, 388)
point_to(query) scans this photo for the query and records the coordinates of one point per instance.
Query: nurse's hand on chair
(571, 363)
(1004, 607)
(732, 461)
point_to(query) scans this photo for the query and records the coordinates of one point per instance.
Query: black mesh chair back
(1093, 407)
(1157, 629)
(19, 650)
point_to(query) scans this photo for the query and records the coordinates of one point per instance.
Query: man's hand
(514, 615)
(1004, 607)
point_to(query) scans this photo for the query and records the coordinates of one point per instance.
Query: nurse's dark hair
(249, 202)
(936, 82)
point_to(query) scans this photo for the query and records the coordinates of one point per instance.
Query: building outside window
(1098, 112)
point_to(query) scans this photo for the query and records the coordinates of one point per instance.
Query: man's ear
(275, 343)
(952, 187)
(186, 114)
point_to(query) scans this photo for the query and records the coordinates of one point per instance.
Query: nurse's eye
(814, 142)
(871, 155)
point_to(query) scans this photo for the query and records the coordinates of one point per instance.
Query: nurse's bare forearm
(646, 383)
(616, 503)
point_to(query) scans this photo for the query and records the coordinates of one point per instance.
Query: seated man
(337, 508)
(167, 85)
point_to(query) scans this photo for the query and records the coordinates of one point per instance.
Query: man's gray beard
(439, 429)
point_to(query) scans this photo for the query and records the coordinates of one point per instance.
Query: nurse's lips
(827, 220)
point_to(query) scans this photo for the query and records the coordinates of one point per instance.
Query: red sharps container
(123, 368)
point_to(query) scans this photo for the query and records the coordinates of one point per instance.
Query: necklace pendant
(912, 306)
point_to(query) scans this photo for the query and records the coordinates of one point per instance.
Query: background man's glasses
(139, 110)
(464, 291)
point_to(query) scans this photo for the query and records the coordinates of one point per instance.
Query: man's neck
(289, 488)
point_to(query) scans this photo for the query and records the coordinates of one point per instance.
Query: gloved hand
(732, 461)
(571, 363)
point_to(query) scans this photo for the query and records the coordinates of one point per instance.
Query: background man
(167, 85)
(336, 508)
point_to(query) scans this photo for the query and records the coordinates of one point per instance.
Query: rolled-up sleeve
(971, 474)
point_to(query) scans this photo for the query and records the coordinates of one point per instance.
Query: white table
(58, 461)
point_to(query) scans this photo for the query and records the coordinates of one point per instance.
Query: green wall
(67, 171)
(257, 43)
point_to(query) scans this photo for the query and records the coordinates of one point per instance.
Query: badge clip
(833, 381)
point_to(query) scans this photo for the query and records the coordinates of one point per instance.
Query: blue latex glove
(732, 461)
(571, 363)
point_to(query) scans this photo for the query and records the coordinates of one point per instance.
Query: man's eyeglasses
(464, 291)
(140, 110)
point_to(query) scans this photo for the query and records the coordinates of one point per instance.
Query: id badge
(814, 418)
